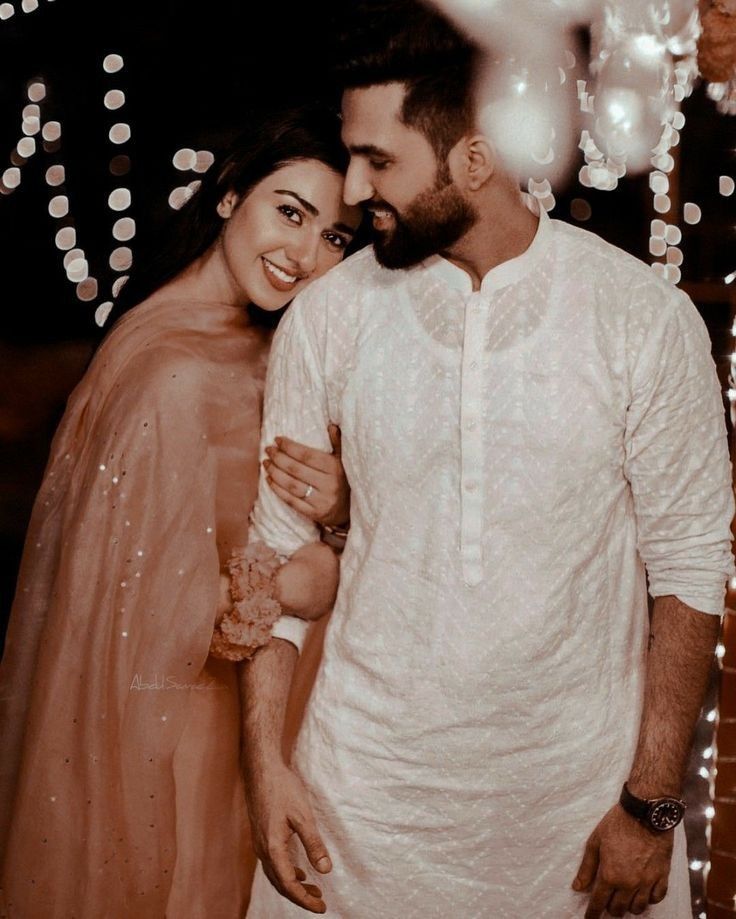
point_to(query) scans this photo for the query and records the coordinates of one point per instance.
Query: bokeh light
(55, 175)
(119, 199)
(124, 229)
(59, 206)
(185, 159)
(121, 258)
(51, 131)
(114, 99)
(112, 63)
(120, 133)
(120, 165)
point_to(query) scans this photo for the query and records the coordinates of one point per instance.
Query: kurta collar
(506, 273)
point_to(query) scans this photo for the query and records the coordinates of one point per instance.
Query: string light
(120, 198)
(185, 159)
(26, 146)
(102, 312)
(112, 63)
(691, 213)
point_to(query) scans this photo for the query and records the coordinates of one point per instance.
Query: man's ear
(472, 161)
(227, 204)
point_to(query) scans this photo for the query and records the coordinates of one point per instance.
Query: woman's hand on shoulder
(310, 481)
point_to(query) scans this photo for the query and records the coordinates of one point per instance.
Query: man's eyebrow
(309, 208)
(368, 150)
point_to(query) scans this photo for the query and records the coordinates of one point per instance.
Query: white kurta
(516, 455)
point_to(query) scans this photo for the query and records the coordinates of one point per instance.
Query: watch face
(665, 814)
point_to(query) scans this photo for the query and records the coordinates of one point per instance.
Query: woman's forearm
(306, 586)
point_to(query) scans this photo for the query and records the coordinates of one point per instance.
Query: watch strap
(659, 814)
(637, 807)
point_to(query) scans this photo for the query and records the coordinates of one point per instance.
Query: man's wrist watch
(659, 814)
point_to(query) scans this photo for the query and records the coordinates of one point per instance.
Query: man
(530, 417)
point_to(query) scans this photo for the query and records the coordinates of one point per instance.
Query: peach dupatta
(120, 786)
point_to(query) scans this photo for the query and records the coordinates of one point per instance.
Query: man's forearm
(264, 691)
(681, 645)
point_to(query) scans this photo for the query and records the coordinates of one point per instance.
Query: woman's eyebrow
(310, 208)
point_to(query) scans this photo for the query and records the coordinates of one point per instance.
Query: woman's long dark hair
(310, 132)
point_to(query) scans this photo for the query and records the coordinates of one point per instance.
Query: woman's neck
(208, 280)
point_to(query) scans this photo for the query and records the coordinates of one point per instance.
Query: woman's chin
(271, 304)
(270, 300)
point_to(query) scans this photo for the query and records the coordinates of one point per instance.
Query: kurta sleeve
(296, 406)
(677, 460)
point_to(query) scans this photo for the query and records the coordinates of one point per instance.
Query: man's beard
(433, 222)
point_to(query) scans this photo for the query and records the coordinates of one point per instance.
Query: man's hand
(627, 865)
(279, 807)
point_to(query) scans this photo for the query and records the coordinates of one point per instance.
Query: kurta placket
(471, 440)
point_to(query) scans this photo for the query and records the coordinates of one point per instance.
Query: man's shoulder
(339, 298)
(591, 249)
(350, 277)
(608, 266)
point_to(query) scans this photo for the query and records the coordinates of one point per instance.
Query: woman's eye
(293, 214)
(336, 241)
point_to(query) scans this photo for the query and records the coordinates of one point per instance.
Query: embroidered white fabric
(516, 456)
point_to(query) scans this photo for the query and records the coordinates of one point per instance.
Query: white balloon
(633, 99)
(529, 117)
(674, 16)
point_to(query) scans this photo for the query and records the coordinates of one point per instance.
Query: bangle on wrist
(340, 530)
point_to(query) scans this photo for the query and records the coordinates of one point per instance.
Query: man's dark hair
(408, 42)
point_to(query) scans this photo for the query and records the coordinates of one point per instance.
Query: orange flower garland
(247, 625)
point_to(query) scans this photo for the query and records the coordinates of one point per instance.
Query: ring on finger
(308, 492)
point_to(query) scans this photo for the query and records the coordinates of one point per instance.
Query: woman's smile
(279, 277)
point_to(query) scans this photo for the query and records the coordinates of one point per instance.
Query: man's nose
(357, 185)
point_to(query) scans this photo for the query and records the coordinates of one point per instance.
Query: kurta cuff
(292, 629)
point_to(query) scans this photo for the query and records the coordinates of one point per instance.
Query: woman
(121, 778)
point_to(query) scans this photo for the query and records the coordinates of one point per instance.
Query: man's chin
(394, 258)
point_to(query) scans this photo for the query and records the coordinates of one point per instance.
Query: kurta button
(474, 365)
(470, 426)
(471, 486)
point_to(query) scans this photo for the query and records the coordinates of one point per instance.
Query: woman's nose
(302, 253)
